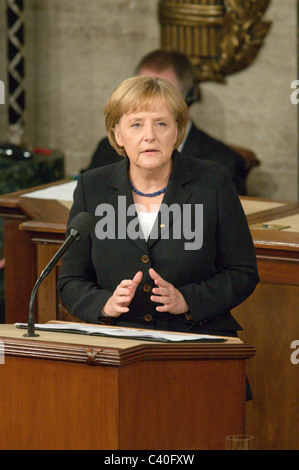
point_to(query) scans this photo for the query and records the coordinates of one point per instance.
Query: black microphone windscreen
(82, 223)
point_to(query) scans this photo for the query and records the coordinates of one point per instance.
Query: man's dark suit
(198, 144)
(213, 278)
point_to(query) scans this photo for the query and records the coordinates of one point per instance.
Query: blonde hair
(138, 93)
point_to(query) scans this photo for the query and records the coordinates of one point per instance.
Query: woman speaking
(171, 248)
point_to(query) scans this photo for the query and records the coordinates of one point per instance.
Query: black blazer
(198, 144)
(213, 279)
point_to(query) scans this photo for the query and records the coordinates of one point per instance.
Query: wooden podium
(73, 391)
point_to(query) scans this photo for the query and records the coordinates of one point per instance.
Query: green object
(17, 175)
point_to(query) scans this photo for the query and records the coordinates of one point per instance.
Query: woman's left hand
(166, 294)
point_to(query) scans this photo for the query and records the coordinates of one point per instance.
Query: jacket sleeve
(77, 284)
(236, 269)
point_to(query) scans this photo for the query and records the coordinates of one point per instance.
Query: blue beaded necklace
(148, 194)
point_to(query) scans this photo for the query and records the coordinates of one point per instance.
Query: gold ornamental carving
(220, 37)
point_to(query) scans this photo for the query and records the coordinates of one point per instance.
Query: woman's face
(148, 136)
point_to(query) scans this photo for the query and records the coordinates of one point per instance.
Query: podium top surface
(114, 351)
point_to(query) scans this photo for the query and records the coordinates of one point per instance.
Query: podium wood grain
(136, 395)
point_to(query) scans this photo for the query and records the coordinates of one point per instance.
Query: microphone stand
(31, 326)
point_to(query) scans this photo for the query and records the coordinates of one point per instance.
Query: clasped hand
(165, 293)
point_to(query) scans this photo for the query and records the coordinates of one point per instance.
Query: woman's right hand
(122, 296)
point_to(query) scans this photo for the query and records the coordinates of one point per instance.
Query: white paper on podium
(60, 192)
(103, 330)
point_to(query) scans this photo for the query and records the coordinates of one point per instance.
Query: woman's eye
(136, 125)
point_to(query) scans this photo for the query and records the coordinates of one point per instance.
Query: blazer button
(148, 317)
(145, 259)
(146, 287)
(188, 316)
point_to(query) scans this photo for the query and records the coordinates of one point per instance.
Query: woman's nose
(149, 133)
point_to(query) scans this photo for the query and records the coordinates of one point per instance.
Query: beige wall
(78, 51)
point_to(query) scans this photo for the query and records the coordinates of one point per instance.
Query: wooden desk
(269, 317)
(28, 249)
(72, 392)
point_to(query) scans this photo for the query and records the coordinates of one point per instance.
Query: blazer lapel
(126, 219)
(176, 195)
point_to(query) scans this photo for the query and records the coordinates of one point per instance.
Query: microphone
(78, 229)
